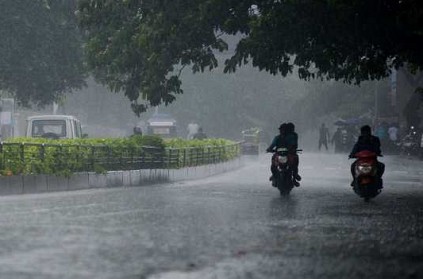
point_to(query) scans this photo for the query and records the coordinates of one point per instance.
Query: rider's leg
(380, 171)
(273, 168)
(353, 173)
(296, 162)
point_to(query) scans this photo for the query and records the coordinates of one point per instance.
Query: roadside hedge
(66, 156)
(183, 153)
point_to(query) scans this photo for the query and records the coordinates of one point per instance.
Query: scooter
(409, 144)
(367, 183)
(283, 178)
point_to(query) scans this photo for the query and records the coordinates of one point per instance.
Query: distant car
(54, 127)
(250, 143)
(163, 125)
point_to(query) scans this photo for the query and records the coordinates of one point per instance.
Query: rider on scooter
(367, 141)
(287, 138)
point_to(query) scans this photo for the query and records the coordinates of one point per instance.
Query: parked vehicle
(162, 124)
(54, 127)
(367, 184)
(283, 179)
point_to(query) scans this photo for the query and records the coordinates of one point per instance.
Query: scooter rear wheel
(283, 184)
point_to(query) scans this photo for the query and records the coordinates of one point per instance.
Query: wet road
(233, 225)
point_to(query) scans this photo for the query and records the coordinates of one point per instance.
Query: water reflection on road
(233, 225)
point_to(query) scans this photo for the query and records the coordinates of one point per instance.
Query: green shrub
(63, 157)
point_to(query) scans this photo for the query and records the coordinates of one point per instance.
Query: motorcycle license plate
(283, 159)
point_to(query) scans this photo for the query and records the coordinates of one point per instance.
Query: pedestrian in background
(393, 137)
(323, 136)
(337, 140)
(192, 129)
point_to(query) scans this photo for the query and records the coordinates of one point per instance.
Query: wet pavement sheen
(233, 225)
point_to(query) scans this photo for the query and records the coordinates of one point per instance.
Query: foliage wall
(64, 157)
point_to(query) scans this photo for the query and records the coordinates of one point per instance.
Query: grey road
(233, 225)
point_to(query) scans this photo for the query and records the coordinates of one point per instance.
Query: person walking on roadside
(323, 136)
(192, 129)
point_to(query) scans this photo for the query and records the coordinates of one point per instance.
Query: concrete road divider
(27, 184)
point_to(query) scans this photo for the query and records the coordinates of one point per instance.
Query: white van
(54, 127)
(162, 124)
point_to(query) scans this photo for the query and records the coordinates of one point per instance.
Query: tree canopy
(41, 53)
(140, 47)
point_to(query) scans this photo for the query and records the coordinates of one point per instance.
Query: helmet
(282, 127)
(366, 130)
(290, 127)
